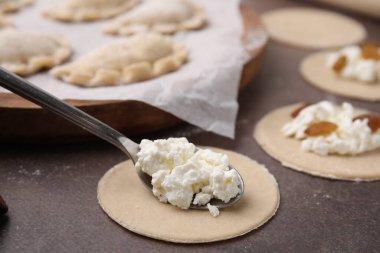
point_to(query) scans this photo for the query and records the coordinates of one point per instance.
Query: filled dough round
(312, 28)
(315, 71)
(127, 201)
(363, 167)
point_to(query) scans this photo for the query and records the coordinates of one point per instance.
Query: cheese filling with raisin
(183, 175)
(325, 128)
(357, 63)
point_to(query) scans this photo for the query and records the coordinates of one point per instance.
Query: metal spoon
(36, 95)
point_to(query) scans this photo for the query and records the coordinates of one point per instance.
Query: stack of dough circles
(316, 72)
(312, 28)
(128, 202)
(363, 167)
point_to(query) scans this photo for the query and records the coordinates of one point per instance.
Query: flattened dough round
(124, 198)
(314, 69)
(367, 7)
(364, 167)
(312, 28)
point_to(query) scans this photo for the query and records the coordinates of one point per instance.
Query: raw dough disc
(314, 69)
(288, 151)
(126, 200)
(312, 28)
(367, 7)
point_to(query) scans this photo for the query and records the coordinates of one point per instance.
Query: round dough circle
(314, 69)
(366, 7)
(128, 202)
(312, 28)
(364, 167)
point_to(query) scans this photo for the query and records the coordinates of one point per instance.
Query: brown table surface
(51, 190)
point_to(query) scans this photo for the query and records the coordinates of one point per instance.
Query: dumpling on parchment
(13, 5)
(88, 10)
(163, 16)
(25, 53)
(139, 57)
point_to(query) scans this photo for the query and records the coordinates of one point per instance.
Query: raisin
(340, 64)
(321, 128)
(370, 51)
(297, 111)
(373, 120)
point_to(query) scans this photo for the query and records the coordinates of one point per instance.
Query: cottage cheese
(179, 171)
(351, 137)
(357, 68)
(213, 210)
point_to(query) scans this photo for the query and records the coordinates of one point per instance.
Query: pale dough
(312, 28)
(315, 70)
(4, 22)
(88, 10)
(13, 5)
(140, 57)
(163, 16)
(288, 151)
(25, 53)
(128, 202)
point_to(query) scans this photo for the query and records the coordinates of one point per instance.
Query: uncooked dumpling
(164, 16)
(13, 5)
(140, 57)
(88, 10)
(25, 53)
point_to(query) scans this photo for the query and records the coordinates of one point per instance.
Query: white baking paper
(203, 92)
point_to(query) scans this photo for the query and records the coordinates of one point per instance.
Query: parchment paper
(203, 92)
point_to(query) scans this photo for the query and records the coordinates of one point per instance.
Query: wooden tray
(22, 121)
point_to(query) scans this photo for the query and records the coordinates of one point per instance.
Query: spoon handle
(40, 97)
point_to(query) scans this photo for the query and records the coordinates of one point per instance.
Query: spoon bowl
(146, 179)
(40, 97)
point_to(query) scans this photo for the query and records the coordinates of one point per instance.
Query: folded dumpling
(25, 53)
(163, 16)
(140, 57)
(13, 5)
(88, 10)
